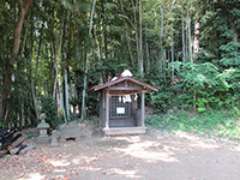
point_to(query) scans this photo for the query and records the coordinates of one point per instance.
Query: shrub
(50, 109)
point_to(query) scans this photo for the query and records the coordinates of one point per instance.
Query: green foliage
(202, 86)
(232, 76)
(223, 123)
(162, 100)
(62, 36)
(230, 54)
(50, 109)
(203, 82)
(197, 77)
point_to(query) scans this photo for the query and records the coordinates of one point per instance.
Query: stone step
(124, 131)
(122, 123)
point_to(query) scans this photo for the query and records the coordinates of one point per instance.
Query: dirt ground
(152, 156)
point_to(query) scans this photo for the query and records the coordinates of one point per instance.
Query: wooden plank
(6, 136)
(142, 109)
(123, 93)
(125, 88)
(16, 143)
(107, 111)
(17, 149)
(3, 152)
(10, 138)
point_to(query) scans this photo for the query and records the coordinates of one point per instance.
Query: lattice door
(120, 109)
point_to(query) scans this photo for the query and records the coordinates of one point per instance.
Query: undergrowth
(222, 123)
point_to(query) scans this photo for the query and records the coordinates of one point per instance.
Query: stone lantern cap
(43, 124)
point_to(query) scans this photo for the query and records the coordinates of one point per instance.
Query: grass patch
(213, 123)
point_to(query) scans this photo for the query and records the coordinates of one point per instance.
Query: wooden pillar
(142, 109)
(107, 111)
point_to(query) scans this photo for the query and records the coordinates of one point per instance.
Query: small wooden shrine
(122, 108)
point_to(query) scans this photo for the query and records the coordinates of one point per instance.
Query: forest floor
(156, 155)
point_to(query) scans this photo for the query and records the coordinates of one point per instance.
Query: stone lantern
(43, 127)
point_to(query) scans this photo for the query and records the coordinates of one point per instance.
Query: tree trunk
(161, 36)
(183, 40)
(9, 76)
(58, 41)
(66, 89)
(127, 37)
(91, 17)
(189, 38)
(196, 42)
(135, 8)
(164, 62)
(83, 107)
(140, 58)
(148, 63)
(104, 31)
(172, 61)
(39, 49)
(61, 101)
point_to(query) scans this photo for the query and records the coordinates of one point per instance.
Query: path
(153, 156)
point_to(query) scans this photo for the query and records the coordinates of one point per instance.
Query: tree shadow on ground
(121, 157)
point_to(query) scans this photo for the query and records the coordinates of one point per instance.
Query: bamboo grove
(53, 51)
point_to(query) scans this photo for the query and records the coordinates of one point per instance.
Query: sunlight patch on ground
(89, 168)
(76, 161)
(85, 159)
(204, 145)
(236, 148)
(59, 163)
(126, 173)
(196, 142)
(130, 139)
(33, 176)
(149, 151)
(59, 170)
(186, 136)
